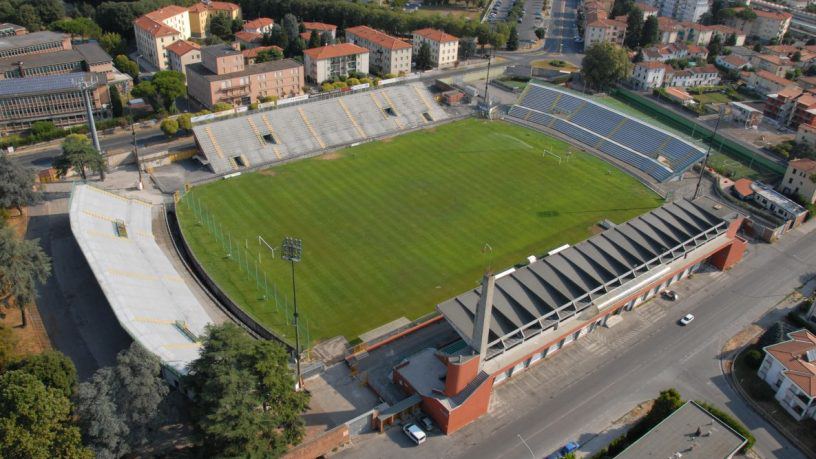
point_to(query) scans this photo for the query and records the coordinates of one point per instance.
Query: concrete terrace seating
(627, 139)
(296, 130)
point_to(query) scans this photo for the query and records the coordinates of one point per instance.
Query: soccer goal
(549, 153)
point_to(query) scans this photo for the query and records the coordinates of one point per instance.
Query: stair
(351, 118)
(310, 128)
(460, 398)
(617, 128)
(255, 130)
(391, 104)
(421, 97)
(379, 105)
(215, 144)
(575, 112)
(272, 132)
(555, 102)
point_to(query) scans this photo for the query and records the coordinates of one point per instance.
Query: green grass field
(391, 228)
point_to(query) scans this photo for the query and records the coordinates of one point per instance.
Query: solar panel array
(289, 132)
(652, 151)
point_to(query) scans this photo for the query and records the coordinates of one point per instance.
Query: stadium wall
(687, 126)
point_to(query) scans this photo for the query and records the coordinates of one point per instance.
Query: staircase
(460, 398)
(272, 133)
(255, 130)
(310, 128)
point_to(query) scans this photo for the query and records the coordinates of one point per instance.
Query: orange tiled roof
(743, 187)
(790, 91)
(154, 28)
(766, 75)
(182, 47)
(329, 51)
(167, 12)
(651, 65)
(803, 164)
(221, 6)
(791, 354)
(319, 26)
(380, 38)
(435, 35)
(247, 37)
(252, 53)
(258, 23)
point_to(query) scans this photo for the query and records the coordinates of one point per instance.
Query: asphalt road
(562, 28)
(666, 355)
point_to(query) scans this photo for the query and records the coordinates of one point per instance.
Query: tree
(116, 17)
(23, 263)
(79, 154)
(797, 56)
(28, 17)
(184, 121)
(221, 26)
(169, 126)
(119, 404)
(634, 28)
(714, 48)
(52, 368)
(295, 47)
(35, 421)
(125, 65)
(8, 346)
(638, 57)
(267, 55)
(604, 65)
(291, 27)
(513, 39)
(112, 43)
(169, 86)
(80, 27)
(651, 32)
(116, 102)
(314, 40)
(731, 40)
(326, 38)
(276, 37)
(16, 185)
(49, 10)
(540, 32)
(467, 47)
(423, 57)
(245, 401)
(621, 7)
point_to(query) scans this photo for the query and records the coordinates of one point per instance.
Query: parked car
(670, 295)
(416, 434)
(566, 449)
(427, 423)
(686, 319)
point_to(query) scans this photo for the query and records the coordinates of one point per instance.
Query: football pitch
(393, 227)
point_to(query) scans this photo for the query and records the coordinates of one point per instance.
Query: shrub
(169, 126)
(253, 106)
(388, 76)
(731, 422)
(754, 358)
(221, 107)
(340, 85)
(326, 87)
(353, 81)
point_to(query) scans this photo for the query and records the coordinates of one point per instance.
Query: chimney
(484, 310)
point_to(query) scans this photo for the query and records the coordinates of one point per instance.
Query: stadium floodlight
(292, 251)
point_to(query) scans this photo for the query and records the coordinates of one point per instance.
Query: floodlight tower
(85, 86)
(708, 153)
(292, 250)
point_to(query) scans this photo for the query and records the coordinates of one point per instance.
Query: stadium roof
(93, 53)
(692, 432)
(30, 39)
(559, 286)
(151, 301)
(16, 87)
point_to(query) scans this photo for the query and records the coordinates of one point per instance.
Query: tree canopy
(80, 27)
(245, 400)
(79, 154)
(423, 57)
(221, 26)
(23, 263)
(651, 31)
(52, 368)
(16, 185)
(604, 65)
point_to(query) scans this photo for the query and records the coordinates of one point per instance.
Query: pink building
(222, 76)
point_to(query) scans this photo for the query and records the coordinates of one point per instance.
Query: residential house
(647, 9)
(691, 32)
(765, 82)
(248, 39)
(648, 75)
(733, 62)
(183, 53)
(679, 95)
(444, 47)
(789, 368)
(333, 61)
(800, 177)
(780, 104)
(725, 32)
(201, 15)
(222, 76)
(320, 28)
(157, 30)
(778, 204)
(260, 25)
(681, 10)
(251, 54)
(706, 75)
(767, 26)
(669, 29)
(388, 55)
(772, 63)
(604, 30)
(746, 115)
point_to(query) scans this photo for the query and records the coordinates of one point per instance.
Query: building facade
(789, 368)
(55, 98)
(767, 26)
(222, 76)
(648, 75)
(387, 54)
(183, 53)
(800, 177)
(681, 10)
(444, 46)
(201, 15)
(332, 61)
(604, 30)
(157, 30)
(778, 204)
(33, 43)
(519, 318)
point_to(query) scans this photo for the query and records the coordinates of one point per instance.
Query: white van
(416, 434)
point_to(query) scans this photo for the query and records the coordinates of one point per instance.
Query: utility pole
(140, 186)
(85, 86)
(708, 153)
(292, 251)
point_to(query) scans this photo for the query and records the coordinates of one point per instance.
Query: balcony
(234, 89)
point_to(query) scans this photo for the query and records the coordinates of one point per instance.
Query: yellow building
(202, 13)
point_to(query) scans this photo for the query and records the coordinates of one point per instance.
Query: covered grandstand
(293, 131)
(148, 296)
(658, 153)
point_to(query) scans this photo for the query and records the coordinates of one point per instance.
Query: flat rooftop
(691, 431)
(425, 372)
(778, 199)
(254, 69)
(30, 39)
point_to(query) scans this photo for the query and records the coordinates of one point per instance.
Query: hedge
(730, 422)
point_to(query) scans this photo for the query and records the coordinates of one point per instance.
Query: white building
(649, 75)
(331, 61)
(681, 10)
(158, 29)
(444, 46)
(706, 75)
(388, 55)
(789, 368)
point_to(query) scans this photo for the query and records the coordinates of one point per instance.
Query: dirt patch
(387, 139)
(268, 172)
(745, 336)
(636, 413)
(19, 223)
(431, 129)
(595, 229)
(330, 156)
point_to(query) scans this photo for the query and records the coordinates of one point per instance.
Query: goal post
(262, 242)
(549, 153)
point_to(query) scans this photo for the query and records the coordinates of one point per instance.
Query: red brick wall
(459, 375)
(321, 445)
(475, 406)
(729, 256)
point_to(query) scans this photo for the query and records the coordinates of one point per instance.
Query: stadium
(402, 206)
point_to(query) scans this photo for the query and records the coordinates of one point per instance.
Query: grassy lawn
(548, 64)
(712, 98)
(391, 228)
(514, 83)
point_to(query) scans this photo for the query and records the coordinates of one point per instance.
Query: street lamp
(292, 250)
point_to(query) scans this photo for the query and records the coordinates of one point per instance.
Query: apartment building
(780, 103)
(33, 43)
(56, 98)
(767, 26)
(444, 46)
(260, 25)
(387, 54)
(789, 368)
(183, 53)
(681, 10)
(779, 66)
(800, 177)
(222, 76)
(603, 30)
(765, 82)
(705, 75)
(725, 32)
(156, 30)
(331, 61)
(201, 15)
(649, 75)
(733, 62)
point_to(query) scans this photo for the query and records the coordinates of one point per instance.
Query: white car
(686, 319)
(416, 434)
